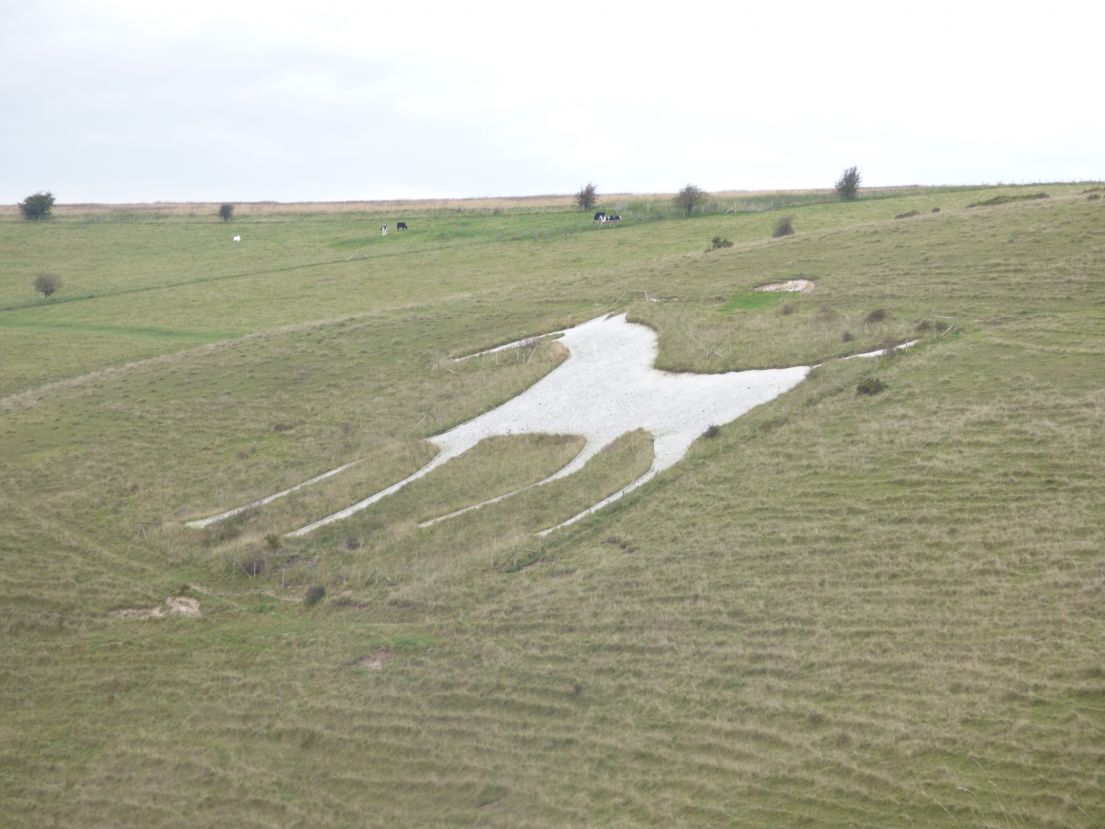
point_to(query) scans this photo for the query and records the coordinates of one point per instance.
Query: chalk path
(605, 388)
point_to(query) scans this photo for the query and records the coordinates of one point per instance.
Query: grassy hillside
(843, 610)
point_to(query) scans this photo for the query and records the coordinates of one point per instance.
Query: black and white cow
(599, 217)
(400, 225)
(614, 218)
(383, 230)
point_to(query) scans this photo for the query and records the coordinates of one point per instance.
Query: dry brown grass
(482, 204)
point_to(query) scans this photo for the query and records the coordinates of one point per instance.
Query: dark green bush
(587, 197)
(847, 186)
(784, 226)
(689, 198)
(878, 315)
(37, 207)
(315, 594)
(870, 385)
(47, 283)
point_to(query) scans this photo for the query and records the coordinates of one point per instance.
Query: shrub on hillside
(47, 283)
(315, 594)
(253, 564)
(231, 528)
(878, 315)
(226, 211)
(784, 226)
(938, 326)
(909, 214)
(870, 385)
(37, 207)
(718, 242)
(847, 186)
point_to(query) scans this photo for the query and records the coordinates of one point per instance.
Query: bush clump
(784, 226)
(909, 214)
(315, 594)
(847, 186)
(254, 564)
(226, 211)
(870, 386)
(718, 242)
(878, 315)
(47, 283)
(938, 326)
(223, 531)
(689, 198)
(587, 196)
(37, 207)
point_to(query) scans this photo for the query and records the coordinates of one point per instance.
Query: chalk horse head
(607, 387)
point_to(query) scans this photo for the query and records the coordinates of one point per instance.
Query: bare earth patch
(374, 661)
(174, 606)
(801, 286)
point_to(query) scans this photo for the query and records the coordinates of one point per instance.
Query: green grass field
(843, 610)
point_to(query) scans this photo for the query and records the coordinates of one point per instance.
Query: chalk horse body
(607, 387)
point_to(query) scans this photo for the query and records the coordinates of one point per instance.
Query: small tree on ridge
(689, 198)
(847, 186)
(37, 207)
(587, 197)
(226, 211)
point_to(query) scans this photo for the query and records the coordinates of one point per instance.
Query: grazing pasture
(840, 609)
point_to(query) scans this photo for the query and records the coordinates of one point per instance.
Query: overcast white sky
(136, 100)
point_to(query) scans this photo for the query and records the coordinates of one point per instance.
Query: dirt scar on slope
(605, 388)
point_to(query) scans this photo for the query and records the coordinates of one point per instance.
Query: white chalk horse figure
(606, 388)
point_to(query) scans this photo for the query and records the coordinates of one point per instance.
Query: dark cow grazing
(599, 217)
(383, 230)
(400, 225)
(614, 218)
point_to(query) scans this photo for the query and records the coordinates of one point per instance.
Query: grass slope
(841, 611)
